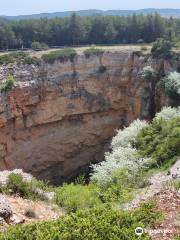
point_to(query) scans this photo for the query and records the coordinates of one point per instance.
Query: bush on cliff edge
(101, 223)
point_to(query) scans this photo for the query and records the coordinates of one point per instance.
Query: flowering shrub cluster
(123, 155)
(127, 136)
(140, 144)
(168, 113)
(148, 73)
(171, 84)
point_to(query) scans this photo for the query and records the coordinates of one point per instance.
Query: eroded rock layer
(60, 117)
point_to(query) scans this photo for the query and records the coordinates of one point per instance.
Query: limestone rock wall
(60, 117)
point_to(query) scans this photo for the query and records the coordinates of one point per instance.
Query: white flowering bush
(148, 73)
(171, 84)
(168, 113)
(123, 155)
(127, 136)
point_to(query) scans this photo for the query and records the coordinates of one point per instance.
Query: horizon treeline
(76, 30)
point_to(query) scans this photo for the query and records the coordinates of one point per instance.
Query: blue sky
(16, 7)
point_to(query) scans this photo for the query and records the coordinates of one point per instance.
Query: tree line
(76, 30)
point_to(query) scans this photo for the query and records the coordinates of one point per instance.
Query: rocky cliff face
(60, 117)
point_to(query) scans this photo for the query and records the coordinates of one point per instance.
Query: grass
(173, 184)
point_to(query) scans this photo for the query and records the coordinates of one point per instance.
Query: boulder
(5, 209)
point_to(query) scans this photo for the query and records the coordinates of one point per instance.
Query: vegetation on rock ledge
(19, 57)
(7, 84)
(61, 55)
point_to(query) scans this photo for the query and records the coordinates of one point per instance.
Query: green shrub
(7, 84)
(73, 197)
(61, 55)
(171, 85)
(144, 49)
(160, 140)
(93, 51)
(30, 60)
(19, 57)
(119, 189)
(17, 185)
(177, 237)
(81, 179)
(138, 53)
(100, 223)
(25, 58)
(12, 57)
(6, 58)
(37, 46)
(148, 73)
(123, 185)
(162, 49)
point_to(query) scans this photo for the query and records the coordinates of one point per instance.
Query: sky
(21, 7)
